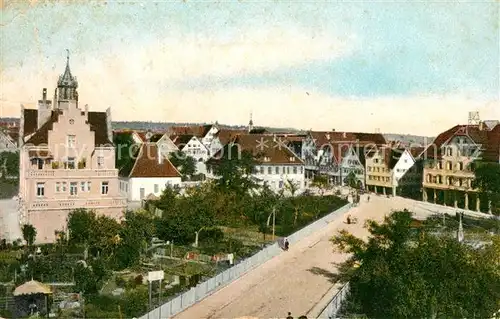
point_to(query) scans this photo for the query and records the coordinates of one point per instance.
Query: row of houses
(68, 160)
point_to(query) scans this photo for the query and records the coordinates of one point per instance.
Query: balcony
(78, 203)
(71, 173)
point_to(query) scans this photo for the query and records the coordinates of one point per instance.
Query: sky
(414, 67)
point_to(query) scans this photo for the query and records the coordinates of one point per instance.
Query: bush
(120, 281)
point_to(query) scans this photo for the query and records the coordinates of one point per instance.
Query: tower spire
(67, 84)
(250, 123)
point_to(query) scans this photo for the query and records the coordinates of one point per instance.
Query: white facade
(196, 149)
(138, 188)
(209, 137)
(166, 146)
(6, 143)
(403, 165)
(277, 176)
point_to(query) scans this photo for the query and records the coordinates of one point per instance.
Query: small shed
(30, 298)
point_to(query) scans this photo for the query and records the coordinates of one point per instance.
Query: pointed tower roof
(66, 79)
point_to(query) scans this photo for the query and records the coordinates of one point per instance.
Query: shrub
(120, 281)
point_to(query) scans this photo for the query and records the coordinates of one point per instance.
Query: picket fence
(208, 287)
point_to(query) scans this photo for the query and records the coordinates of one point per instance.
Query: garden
(189, 235)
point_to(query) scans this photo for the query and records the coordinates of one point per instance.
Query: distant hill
(409, 139)
(161, 126)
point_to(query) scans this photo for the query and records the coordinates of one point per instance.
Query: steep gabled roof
(97, 121)
(489, 139)
(181, 140)
(147, 164)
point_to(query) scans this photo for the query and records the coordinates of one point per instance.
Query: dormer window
(267, 159)
(292, 159)
(71, 121)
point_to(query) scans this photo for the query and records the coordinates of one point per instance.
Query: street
(295, 280)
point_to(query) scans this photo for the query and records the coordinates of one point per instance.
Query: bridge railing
(210, 286)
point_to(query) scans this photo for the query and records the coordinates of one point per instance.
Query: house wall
(196, 149)
(378, 173)
(135, 184)
(403, 168)
(166, 146)
(351, 163)
(276, 175)
(47, 212)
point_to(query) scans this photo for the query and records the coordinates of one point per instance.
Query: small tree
(321, 182)
(29, 234)
(184, 163)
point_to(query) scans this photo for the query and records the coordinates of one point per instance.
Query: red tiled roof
(196, 130)
(325, 138)
(266, 149)
(227, 135)
(147, 165)
(96, 120)
(488, 139)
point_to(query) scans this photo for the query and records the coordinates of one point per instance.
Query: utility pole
(274, 220)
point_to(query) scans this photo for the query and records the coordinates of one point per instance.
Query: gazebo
(30, 298)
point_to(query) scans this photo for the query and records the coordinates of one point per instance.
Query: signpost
(158, 275)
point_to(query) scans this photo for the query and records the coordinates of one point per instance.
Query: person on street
(348, 219)
(368, 198)
(286, 244)
(289, 315)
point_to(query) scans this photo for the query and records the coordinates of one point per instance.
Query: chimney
(344, 135)
(327, 136)
(44, 109)
(160, 156)
(481, 125)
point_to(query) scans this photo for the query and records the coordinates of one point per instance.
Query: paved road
(296, 280)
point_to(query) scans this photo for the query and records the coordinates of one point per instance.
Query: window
(261, 170)
(301, 170)
(40, 163)
(40, 189)
(269, 170)
(58, 187)
(88, 186)
(288, 169)
(295, 169)
(64, 186)
(82, 186)
(73, 188)
(71, 140)
(71, 121)
(70, 164)
(100, 162)
(156, 188)
(277, 169)
(104, 188)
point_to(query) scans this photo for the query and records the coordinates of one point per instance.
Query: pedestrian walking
(348, 219)
(289, 315)
(368, 199)
(286, 244)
